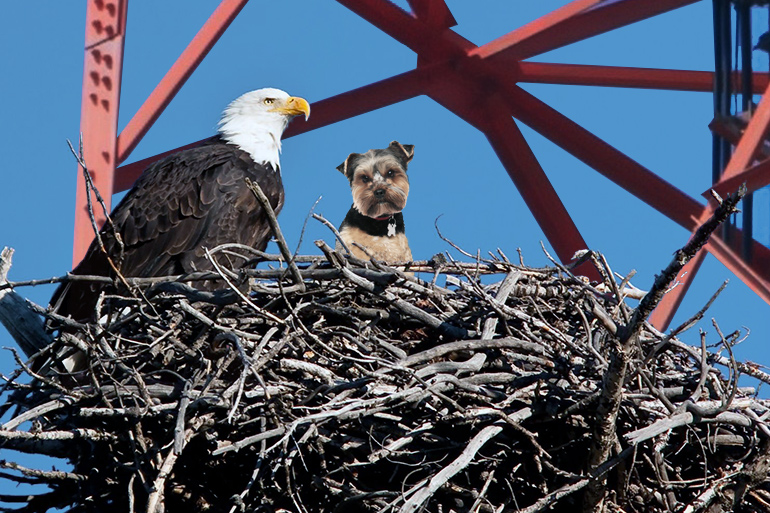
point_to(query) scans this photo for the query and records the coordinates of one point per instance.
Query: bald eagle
(192, 200)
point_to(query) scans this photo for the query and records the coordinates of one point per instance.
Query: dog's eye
(366, 179)
(390, 173)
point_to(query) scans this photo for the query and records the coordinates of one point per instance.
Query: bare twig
(426, 490)
(323, 220)
(275, 227)
(604, 434)
(25, 327)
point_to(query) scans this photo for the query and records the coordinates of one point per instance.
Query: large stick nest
(371, 390)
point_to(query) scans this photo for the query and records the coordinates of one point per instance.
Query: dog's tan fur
(388, 249)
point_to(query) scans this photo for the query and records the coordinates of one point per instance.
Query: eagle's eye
(268, 101)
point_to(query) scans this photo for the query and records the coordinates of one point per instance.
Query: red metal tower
(452, 71)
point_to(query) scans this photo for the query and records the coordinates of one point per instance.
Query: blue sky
(317, 49)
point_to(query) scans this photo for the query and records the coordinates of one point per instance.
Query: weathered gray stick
(22, 323)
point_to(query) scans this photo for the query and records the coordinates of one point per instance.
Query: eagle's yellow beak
(294, 106)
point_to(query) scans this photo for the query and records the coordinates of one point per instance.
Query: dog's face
(378, 179)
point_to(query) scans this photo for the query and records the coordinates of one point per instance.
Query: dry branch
(604, 437)
(25, 327)
(276, 229)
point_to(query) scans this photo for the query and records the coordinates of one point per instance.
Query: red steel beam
(610, 162)
(517, 38)
(462, 96)
(752, 139)
(325, 112)
(368, 98)
(419, 37)
(618, 76)
(755, 276)
(606, 16)
(102, 73)
(663, 314)
(675, 203)
(412, 32)
(732, 128)
(757, 271)
(729, 256)
(755, 178)
(175, 78)
(604, 158)
(535, 188)
(407, 29)
(472, 102)
(433, 12)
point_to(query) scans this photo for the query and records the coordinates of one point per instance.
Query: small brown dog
(380, 188)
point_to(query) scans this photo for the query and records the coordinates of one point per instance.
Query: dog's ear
(406, 151)
(348, 164)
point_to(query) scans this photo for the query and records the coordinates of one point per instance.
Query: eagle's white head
(256, 120)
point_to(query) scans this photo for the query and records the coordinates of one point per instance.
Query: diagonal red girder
(419, 37)
(746, 150)
(535, 188)
(516, 39)
(755, 178)
(664, 313)
(175, 78)
(465, 97)
(752, 139)
(423, 39)
(604, 158)
(754, 276)
(605, 16)
(729, 255)
(405, 28)
(737, 172)
(472, 102)
(434, 12)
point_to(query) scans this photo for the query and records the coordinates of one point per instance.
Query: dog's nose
(379, 193)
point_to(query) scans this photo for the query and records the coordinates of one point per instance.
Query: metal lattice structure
(455, 73)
